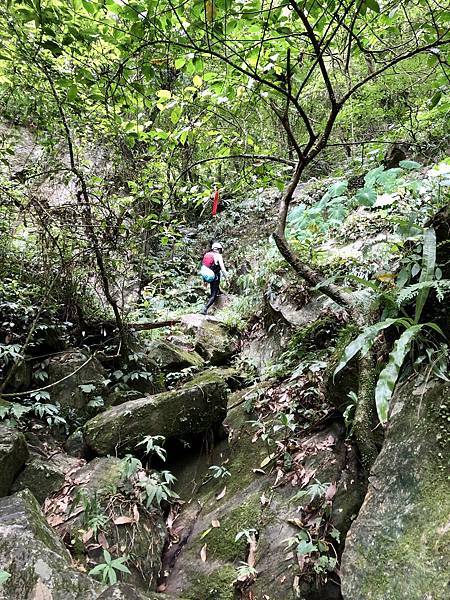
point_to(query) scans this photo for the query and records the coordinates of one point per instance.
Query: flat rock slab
(13, 454)
(399, 545)
(192, 409)
(38, 563)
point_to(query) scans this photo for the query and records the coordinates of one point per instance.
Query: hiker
(212, 267)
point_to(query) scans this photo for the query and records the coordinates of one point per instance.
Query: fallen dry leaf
(215, 523)
(123, 520)
(203, 552)
(259, 471)
(297, 522)
(103, 541)
(331, 491)
(87, 536)
(136, 514)
(222, 494)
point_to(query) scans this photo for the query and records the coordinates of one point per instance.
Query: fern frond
(411, 291)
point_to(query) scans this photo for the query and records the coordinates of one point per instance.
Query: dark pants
(215, 291)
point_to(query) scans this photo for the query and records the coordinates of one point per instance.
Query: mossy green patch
(221, 541)
(217, 585)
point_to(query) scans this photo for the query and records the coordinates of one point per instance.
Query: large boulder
(99, 490)
(38, 563)
(218, 508)
(43, 476)
(192, 409)
(399, 545)
(213, 339)
(169, 357)
(81, 378)
(13, 454)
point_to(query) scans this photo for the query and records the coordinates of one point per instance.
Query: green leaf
(409, 165)
(72, 93)
(87, 388)
(164, 94)
(373, 5)
(197, 81)
(180, 62)
(389, 375)
(427, 272)
(305, 547)
(365, 340)
(366, 196)
(4, 576)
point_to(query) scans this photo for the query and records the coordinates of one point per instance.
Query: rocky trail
(248, 490)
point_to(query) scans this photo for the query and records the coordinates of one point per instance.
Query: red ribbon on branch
(215, 203)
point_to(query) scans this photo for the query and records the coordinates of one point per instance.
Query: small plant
(314, 490)
(153, 447)
(94, 517)
(219, 472)
(245, 572)
(130, 466)
(156, 488)
(108, 569)
(247, 534)
(413, 329)
(285, 422)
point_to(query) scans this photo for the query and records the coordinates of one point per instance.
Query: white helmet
(217, 246)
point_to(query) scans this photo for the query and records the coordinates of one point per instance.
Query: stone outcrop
(190, 410)
(399, 545)
(13, 454)
(213, 339)
(44, 476)
(79, 369)
(168, 357)
(38, 563)
(217, 509)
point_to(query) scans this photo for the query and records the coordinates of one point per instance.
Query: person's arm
(222, 266)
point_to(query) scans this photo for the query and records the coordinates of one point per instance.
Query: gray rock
(399, 545)
(75, 444)
(44, 476)
(38, 563)
(169, 357)
(13, 454)
(82, 369)
(192, 409)
(213, 339)
(122, 591)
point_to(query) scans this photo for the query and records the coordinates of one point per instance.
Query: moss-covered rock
(44, 476)
(213, 339)
(399, 545)
(99, 490)
(125, 591)
(216, 585)
(169, 358)
(35, 558)
(13, 454)
(76, 368)
(246, 501)
(192, 409)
